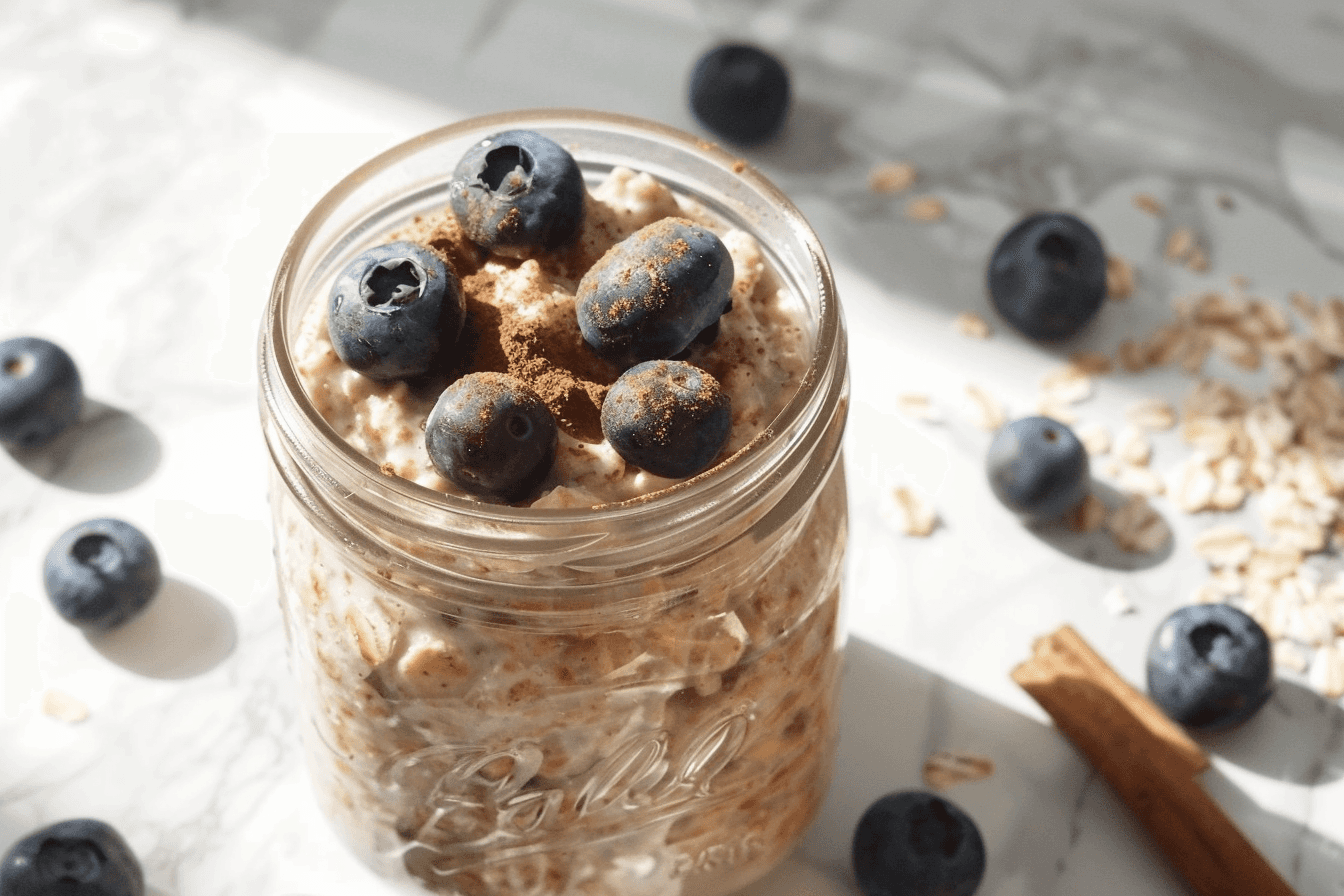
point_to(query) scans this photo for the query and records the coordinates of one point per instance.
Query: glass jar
(634, 699)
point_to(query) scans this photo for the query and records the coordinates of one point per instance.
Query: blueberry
(492, 436)
(40, 391)
(652, 293)
(516, 192)
(914, 843)
(100, 573)
(740, 93)
(79, 857)
(392, 308)
(667, 417)
(1047, 276)
(1038, 468)
(1209, 666)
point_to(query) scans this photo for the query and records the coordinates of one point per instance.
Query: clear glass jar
(632, 700)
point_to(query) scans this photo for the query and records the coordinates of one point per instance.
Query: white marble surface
(156, 156)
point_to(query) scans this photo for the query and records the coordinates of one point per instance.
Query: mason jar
(631, 699)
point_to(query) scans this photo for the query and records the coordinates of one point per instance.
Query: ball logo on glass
(478, 799)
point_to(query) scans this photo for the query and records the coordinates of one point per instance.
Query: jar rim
(828, 348)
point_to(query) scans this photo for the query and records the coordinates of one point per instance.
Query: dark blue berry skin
(516, 192)
(914, 843)
(1209, 667)
(79, 857)
(100, 573)
(41, 395)
(1047, 276)
(667, 417)
(740, 93)
(1038, 468)
(492, 436)
(652, 293)
(392, 308)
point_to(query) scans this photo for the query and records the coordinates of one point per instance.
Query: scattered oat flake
(1067, 384)
(917, 405)
(915, 515)
(1119, 278)
(1136, 527)
(1224, 545)
(60, 705)
(1096, 438)
(989, 414)
(1182, 244)
(1091, 363)
(926, 208)
(1088, 516)
(1117, 603)
(948, 768)
(892, 177)
(1133, 447)
(968, 323)
(1153, 414)
(1146, 202)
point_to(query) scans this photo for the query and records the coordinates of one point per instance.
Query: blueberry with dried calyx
(913, 843)
(740, 92)
(41, 394)
(1209, 667)
(516, 192)
(1038, 468)
(392, 308)
(100, 573)
(492, 436)
(654, 292)
(667, 417)
(1047, 276)
(78, 857)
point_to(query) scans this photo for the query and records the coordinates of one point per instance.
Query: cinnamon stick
(1151, 763)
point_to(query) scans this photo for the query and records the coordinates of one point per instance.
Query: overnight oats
(555, 402)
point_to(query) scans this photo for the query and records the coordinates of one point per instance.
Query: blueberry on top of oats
(516, 192)
(392, 308)
(492, 436)
(667, 417)
(654, 292)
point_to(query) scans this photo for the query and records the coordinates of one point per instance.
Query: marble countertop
(157, 155)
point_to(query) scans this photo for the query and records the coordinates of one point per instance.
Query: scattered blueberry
(492, 436)
(914, 843)
(1038, 468)
(40, 391)
(100, 573)
(667, 417)
(652, 293)
(79, 857)
(1047, 276)
(740, 93)
(1209, 667)
(391, 309)
(518, 191)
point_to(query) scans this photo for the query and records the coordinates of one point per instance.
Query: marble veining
(158, 154)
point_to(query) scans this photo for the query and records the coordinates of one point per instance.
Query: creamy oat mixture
(679, 752)
(521, 320)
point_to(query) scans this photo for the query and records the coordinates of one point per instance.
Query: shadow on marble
(183, 632)
(1298, 737)
(108, 450)
(1099, 547)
